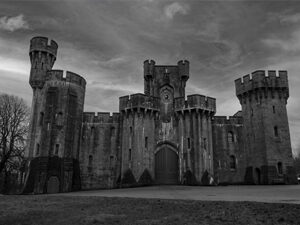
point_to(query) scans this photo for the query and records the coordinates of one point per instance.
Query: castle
(159, 137)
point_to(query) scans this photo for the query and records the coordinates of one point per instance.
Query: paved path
(259, 193)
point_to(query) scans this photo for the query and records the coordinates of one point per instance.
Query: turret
(184, 69)
(148, 75)
(266, 130)
(42, 54)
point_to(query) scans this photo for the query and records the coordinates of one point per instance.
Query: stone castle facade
(159, 137)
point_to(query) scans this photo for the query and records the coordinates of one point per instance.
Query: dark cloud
(107, 41)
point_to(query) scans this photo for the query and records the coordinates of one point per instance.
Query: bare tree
(14, 120)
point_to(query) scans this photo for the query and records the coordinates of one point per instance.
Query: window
(90, 160)
(112, 131)
(273, 108)
(204, 143)
(129, 154)
(279, 168)
(130, 130)
(189, 143)
(232, 162)
(41, 118)
(59, 119)
(146, 142)
(37, 150)
(230, 137)
(92, 130)
(56, 149)
(276, 131)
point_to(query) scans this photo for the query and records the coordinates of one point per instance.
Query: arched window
(232, 162)
(279, 167)
(276, 131)
(230, 137)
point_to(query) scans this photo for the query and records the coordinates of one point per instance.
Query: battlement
(231, 120)
(66, 77)
(196, 102)
(100, 117)
(139, 101)
(261, 79)
(43, 44)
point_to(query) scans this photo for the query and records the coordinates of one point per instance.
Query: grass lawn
(56, 210)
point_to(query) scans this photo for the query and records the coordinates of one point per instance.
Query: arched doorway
(166, 165)
(53, 185)
(257, 176)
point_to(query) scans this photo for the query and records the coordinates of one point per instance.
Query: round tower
(184, 69)
(42, 54)
(263, 98)
(148, 76)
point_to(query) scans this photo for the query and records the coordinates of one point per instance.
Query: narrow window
(90, 160)
(92, 130)
(59, 119)
(56, 149)
(273, 108)
(279, 167)
(41, 118)
(37, 151)
(204, 143)
(189, 143)
(276, 131)
(130, 130)
(230, 137)
(232, 162)
(146, 142)
(129, 154)
(112, 131)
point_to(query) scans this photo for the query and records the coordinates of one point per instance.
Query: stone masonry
(159, 137)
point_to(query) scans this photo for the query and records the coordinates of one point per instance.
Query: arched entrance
(53, 185)
(166, 165)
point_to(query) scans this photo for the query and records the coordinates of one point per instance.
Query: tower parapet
(200, 102)
(42, 57)
(139, 101)
(100, 117)
(58, 75)
(184, 69)
(260, 81)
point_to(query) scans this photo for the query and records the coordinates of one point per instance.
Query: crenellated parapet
(70, 77)
(260, 82)
(42, 44)
(139, 101)
(184, 69)
(200, 102)
(231, 120)
(100, 117)
(149, 69)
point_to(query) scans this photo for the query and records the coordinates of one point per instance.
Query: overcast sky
(107, 41)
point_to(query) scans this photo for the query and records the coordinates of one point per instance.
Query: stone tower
(266, 129)
(56, 119)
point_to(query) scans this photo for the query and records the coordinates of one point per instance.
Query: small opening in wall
(41, 118)
(37, 151)
(56, 149)
(276, 131)
(146, 142)
(232, 162)
(273, 108)
(90, 160)
(130, 129)
(189, 143)
(279, 167)
(129, 154)
(204, 143)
